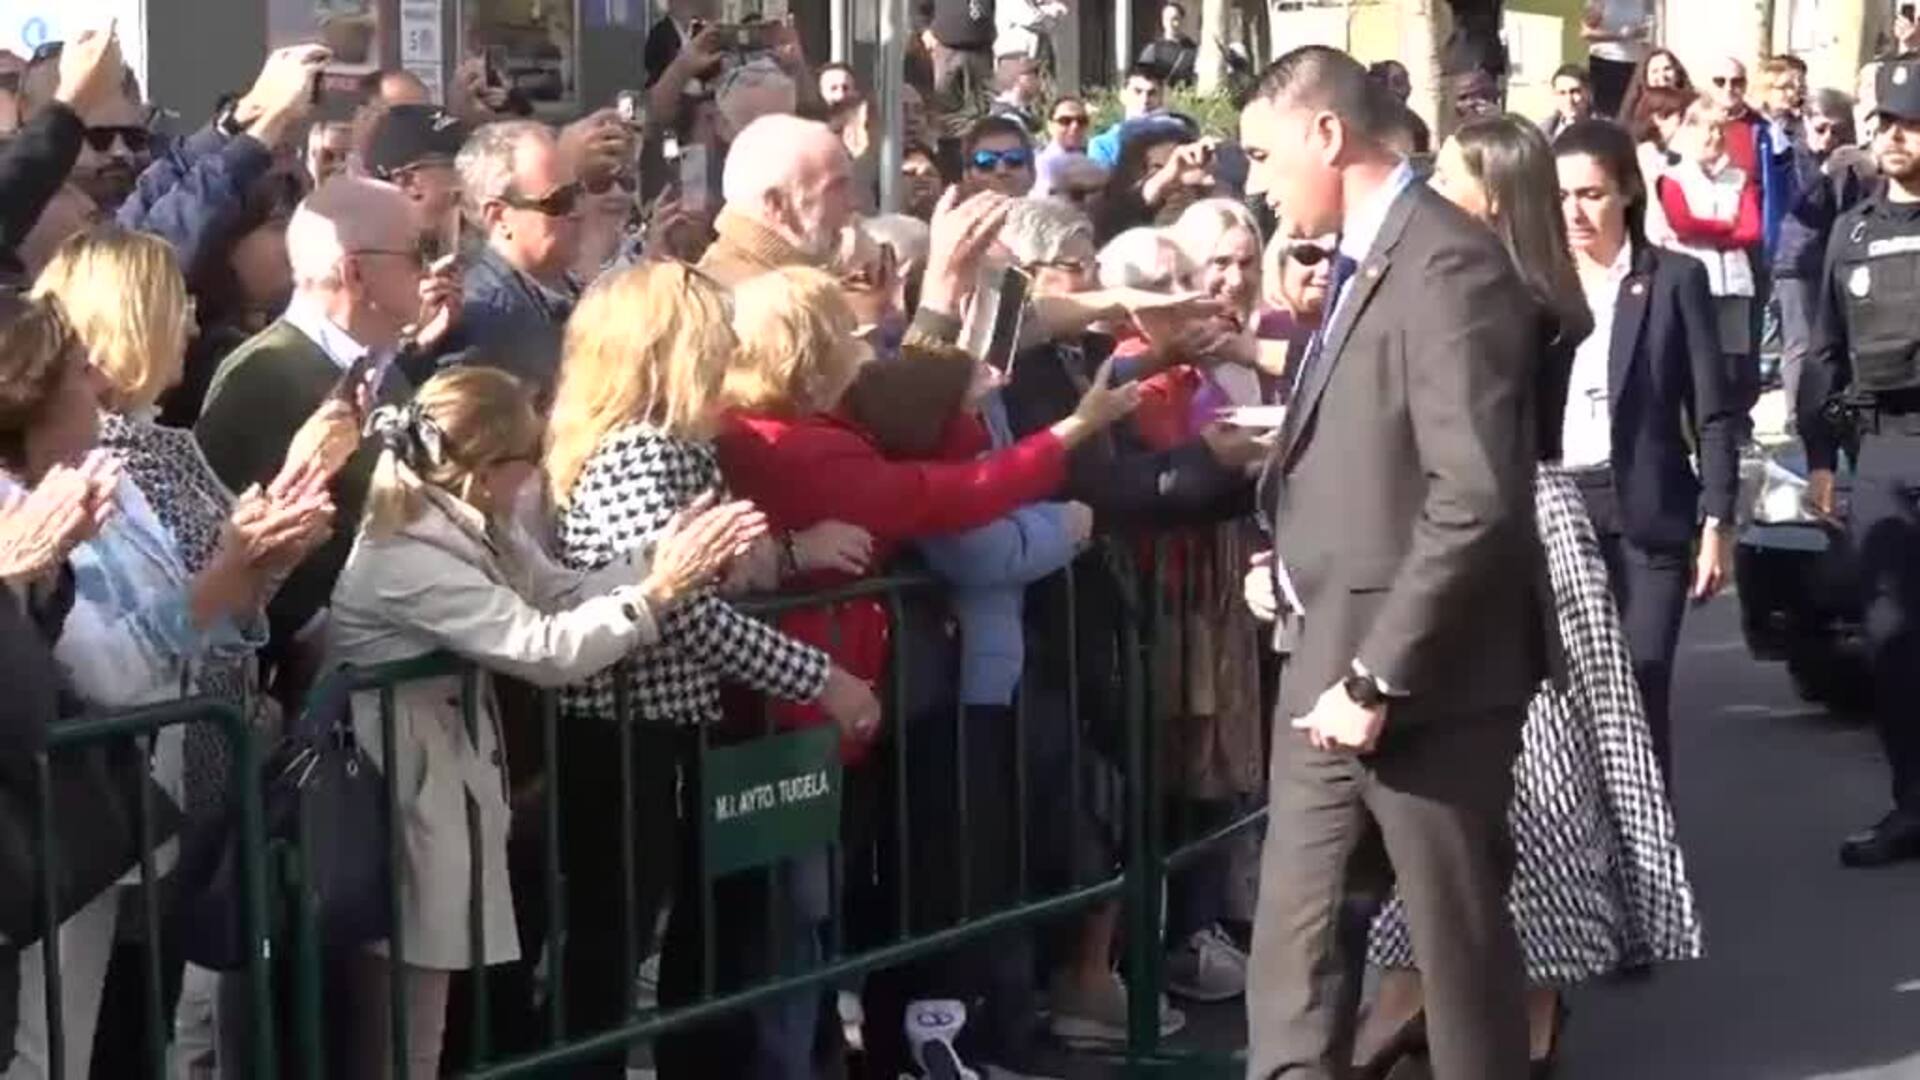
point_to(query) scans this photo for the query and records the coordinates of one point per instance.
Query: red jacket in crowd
(806, 470)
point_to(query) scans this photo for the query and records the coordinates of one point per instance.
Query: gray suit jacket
(1401, 488)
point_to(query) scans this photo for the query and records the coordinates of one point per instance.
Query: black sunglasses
(991, 160)
(560, 202)
(1071, 121)
(1723, 81)
(138, 139)
(600, 185)
(1309, 254)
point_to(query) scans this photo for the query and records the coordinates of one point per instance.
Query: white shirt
(1359, 230)
(1621, 17)
(304, 314)
(1586, 431)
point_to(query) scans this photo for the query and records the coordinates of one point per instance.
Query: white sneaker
(1098, 1016)
(1208, 968)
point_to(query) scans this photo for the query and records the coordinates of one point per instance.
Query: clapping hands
(69, 506)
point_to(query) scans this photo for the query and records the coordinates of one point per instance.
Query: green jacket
(261, 394)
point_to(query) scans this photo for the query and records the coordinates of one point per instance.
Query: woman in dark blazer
(1633, 425)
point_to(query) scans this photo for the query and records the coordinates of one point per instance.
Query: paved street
(1813, 972)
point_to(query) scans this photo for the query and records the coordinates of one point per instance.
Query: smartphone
(495, 60)
(1009, 308)
(1906, 12)
(356, 385)
(693, 178)
(627, 104)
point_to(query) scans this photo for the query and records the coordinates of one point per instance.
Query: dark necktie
(1343, 268)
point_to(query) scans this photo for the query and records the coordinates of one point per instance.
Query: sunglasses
(991, 160)
(1309, 254)
(600, 185)
(1070, 121)
(1738, 82)
(137, 139)
(560, 202)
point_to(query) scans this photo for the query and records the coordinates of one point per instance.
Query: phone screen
(1010, 306)
(359, 377)
(693, 178)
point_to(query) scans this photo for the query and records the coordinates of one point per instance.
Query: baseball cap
(1898, 90)
(407, 136)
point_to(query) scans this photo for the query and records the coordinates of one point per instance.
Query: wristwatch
(1364, 691)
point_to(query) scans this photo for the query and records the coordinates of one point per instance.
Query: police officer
(1863, 384)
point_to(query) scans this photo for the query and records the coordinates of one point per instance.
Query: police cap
(1898, 90)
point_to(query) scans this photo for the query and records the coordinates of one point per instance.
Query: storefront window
(531, 46)
(351, 28)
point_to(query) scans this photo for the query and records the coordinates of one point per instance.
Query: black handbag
(94, 796)
(324, 800)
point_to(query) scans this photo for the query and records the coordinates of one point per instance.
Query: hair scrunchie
(411, 434)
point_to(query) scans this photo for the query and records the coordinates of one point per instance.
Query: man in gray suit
(1402, 511)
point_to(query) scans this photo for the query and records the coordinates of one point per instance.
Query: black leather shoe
(1895, 839)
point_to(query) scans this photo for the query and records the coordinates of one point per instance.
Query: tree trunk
(1210, 66)
(1423, 32)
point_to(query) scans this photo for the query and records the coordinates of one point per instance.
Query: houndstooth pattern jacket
(635, 482)
(1599, 881)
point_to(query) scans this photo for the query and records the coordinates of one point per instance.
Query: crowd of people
(284, 395)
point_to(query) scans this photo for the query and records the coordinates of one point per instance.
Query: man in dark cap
(1862, 389)
(413, 147)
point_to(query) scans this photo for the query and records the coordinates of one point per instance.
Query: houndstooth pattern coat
(637, 479)
(1599, 882)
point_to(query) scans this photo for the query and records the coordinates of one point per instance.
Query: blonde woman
(639, 393)
(440, 565)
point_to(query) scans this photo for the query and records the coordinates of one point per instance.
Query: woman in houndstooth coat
(1599, 881)
(638, 395)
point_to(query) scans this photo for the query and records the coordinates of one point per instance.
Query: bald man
(788, 189)
(357, 284)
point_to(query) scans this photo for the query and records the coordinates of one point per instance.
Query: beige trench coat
(445, 582)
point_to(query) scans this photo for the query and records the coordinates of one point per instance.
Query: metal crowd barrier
(761, 802)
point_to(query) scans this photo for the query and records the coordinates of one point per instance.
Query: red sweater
(806, 470)
(1742, 232)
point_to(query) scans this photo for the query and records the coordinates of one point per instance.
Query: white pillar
(1122, 39)
(840, 12)
(891, 58)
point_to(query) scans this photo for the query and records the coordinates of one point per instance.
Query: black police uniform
(1863, 383)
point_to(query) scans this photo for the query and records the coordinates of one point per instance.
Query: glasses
(137, 139)
(558, 203)
(1071, 266)
(600, 185)
(1309, 254)
(1079, 196)
(1069, 120)
(1738, 82)
(992, 160)
(416, 258)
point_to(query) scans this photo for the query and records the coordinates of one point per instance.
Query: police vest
(1879, 281)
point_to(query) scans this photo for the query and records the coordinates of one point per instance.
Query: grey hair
(1038, 230)
(910, 238)
(1143, 258)
(1202, 225)
(486, 162)
(760, 87)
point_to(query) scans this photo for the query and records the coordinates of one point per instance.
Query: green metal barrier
(143, 726)
(760, 803)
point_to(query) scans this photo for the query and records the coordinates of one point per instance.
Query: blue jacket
(1802, 246)
(193, 195)
(1107, 146)
(1779, 181)
(509, 321)
(990, 568)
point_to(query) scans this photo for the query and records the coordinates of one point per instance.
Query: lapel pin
(1639, 287)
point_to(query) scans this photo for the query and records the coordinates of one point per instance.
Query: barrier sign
(771, 799)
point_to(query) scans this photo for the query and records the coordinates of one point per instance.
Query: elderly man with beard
(789, 195)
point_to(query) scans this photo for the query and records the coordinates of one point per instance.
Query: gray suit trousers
(1428, 810)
